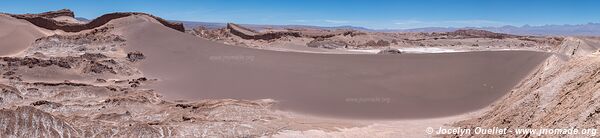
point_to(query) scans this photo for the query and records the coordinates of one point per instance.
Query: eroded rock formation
(390, 51)
(252, 34)
(352, 39)
(135, 56)
(562, 93)
(52, 14)
(326, 43)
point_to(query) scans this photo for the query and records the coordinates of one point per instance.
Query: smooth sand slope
(16, 35)
(354, 86)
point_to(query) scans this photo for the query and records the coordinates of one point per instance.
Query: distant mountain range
(590, 29)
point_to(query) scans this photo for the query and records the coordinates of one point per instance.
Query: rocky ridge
(352, 39)
(44, 20)
(246, 33)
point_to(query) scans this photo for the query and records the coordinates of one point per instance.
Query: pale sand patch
(17, 35)
(413, 128)
(68, 20)
(372, 51)
(429, 50)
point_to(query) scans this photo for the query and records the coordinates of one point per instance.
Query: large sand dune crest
(16, 35)
(47, 20)
(364, 86)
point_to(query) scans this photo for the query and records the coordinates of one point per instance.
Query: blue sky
(376, 14)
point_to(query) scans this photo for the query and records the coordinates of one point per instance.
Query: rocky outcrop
(52, 14)
(133, 113)
(562, 93)
(211, 34)
(326, 43)
(9, 94)
(44, 20)
(246, 33)
(66, 109)
(98, 68)
(379, 43)
(34, 62)
(88, 63)
(135, 56)
(97, 40)
(389, 52)
(27, 121)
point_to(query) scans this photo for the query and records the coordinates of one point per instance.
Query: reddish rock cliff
(53, 14)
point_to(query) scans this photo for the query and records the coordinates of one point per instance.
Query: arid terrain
(356, 42)
(133, 74)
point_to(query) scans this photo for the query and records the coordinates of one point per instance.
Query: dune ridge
(17, 35)
(44, 20)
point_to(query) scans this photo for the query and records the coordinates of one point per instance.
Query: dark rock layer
(251, 34)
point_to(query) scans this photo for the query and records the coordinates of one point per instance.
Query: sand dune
(16, 35)
(46, 20)
(355, 86)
